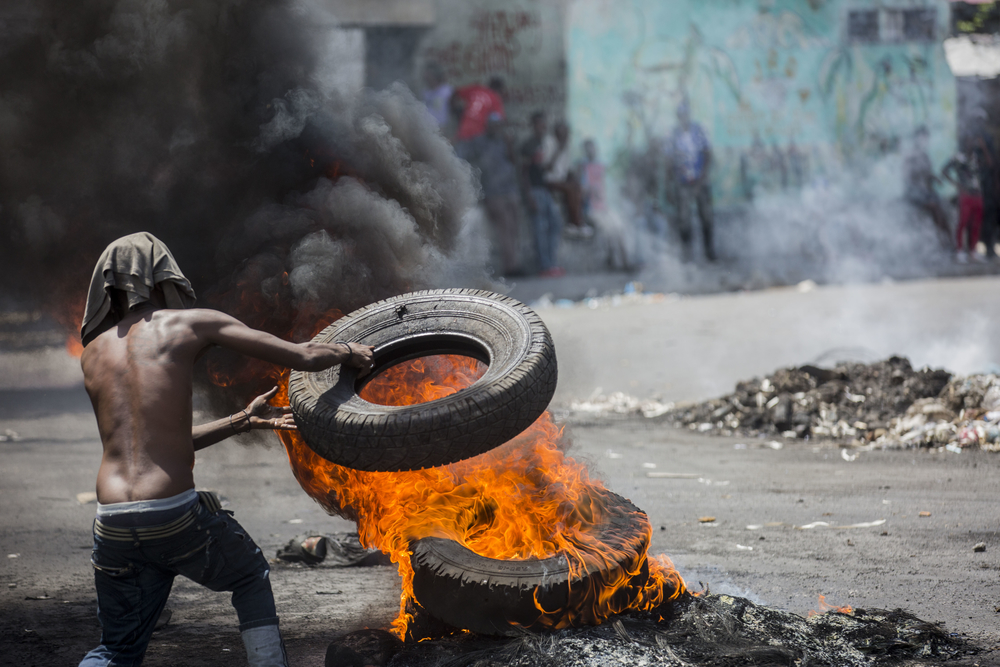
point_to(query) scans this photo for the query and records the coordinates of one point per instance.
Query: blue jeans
(548, 227)
(134, 578)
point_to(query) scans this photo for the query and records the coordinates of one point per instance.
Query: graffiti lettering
(539, 95)
(499, 38)
(502, 26)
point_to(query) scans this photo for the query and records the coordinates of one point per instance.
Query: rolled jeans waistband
(206, 499)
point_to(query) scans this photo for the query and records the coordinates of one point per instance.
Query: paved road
(683, 349)
(698, 347)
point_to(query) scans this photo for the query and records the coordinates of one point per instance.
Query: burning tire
(498, 597)
(518, 384)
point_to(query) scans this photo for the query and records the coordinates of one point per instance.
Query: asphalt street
(790, 524)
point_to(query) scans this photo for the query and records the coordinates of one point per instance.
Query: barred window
(893, 22)
(888, 26)
(920, 25)
(862, 25)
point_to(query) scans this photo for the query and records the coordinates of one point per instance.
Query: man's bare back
(139, 375)
(142, 337)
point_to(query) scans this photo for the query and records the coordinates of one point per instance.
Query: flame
(392, 387)
(73, 346)
(525, 499)
(825, 607)
(69, 315)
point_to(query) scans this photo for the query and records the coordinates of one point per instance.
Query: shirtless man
(140, 349)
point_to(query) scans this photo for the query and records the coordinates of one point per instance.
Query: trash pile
(886, 404)
(887, 401)
(965, 414)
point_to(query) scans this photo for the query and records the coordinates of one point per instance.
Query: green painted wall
(785, 98)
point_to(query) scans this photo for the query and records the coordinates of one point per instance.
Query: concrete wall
(786, 96)
(520, 40)
(391, 40)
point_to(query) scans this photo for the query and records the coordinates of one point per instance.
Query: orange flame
(825, 607)
(73, 346)
(69, 315)
(525, 499)
(392, 387)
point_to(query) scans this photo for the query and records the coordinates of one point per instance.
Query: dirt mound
(851, 401)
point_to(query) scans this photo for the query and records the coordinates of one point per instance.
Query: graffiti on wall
(781, 92)
(876, 101)
(496, 40)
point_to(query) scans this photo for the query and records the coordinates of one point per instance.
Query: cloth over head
(134, 264)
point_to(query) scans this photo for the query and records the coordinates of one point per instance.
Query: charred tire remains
(498, 597)
(345, 429)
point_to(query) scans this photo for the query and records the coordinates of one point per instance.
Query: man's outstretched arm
(216, 328)
(260, 414)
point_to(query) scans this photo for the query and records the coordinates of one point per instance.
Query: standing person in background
(989, 182)
(919, 184)
(592, 184)
(437, 93)
(491, 153)
(596, 210)
(562, 179)
(963, 172)
(537, 153)
(472, 106)
(690, 158)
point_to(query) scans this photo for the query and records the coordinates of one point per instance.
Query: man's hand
(262, 414)
(361, 356)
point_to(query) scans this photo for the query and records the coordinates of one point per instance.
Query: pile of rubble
(965, 414)
(885, 403)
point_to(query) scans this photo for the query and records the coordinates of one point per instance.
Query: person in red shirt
(473, 106)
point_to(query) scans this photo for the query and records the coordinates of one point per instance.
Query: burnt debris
(332, 550)
(710, 630)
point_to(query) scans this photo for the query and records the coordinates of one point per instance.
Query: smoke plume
(223, 128)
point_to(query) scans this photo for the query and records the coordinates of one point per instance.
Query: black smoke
(220, 128)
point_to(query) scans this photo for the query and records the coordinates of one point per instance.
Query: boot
(264, 647)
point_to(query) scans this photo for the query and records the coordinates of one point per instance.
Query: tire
(516, 389)
(497, 597)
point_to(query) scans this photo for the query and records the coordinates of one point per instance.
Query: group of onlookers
(537, 179)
